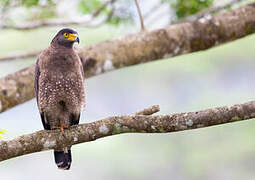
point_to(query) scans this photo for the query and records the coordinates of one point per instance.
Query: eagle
(59, 88)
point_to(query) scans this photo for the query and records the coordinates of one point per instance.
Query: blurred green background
(220, 76)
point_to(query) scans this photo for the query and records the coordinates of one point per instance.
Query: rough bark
(145, 123)
(142, 47)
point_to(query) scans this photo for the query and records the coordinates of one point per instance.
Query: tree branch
(149, 111)
(20, 56)
(140, 15)
(45, 140)
(142, 47)
(187, 19)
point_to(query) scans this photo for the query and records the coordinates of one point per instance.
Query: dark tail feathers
(63, 159)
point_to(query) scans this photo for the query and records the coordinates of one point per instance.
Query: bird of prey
(59, 88)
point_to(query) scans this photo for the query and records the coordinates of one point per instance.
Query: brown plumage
(59, 88)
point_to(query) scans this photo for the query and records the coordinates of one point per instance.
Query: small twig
(140, 15)
(149, 111)
(106, 19)
(98, 11)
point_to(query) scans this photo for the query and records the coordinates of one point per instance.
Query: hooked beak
(73, 37)
(77, 39)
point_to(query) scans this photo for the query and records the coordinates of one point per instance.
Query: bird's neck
(56, 46)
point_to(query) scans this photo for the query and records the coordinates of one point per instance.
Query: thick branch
(142, 47)
(44, 140)
(189, 18)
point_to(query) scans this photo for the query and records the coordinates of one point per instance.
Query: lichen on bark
(141, 122)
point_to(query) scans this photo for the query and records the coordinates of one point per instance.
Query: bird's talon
(62, 129)
(55, 127)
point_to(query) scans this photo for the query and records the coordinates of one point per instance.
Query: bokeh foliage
(88, 7)
(185, 8)
(2, 131)
(26, 3)
(121, 13)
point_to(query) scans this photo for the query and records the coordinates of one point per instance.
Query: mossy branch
(141, 122)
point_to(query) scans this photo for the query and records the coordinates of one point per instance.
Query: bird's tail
(63, 159)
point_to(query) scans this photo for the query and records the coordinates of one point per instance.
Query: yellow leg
(55, 127)
(62, 127)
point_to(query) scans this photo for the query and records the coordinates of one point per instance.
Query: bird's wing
(83, 77)
(82, 70)
(36, 80)
(36, 86)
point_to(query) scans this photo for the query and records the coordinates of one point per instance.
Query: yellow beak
(73, 37)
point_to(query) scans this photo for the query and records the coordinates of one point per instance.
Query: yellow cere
(70, 36)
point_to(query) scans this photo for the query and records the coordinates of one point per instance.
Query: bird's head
(66, 37)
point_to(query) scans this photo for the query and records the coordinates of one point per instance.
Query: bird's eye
(66, 34)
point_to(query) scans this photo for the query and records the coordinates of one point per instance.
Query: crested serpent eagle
(59, 88)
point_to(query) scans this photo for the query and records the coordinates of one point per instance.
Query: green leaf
(2, 131)
(185, 8)
(29, 3)
(87, 7)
